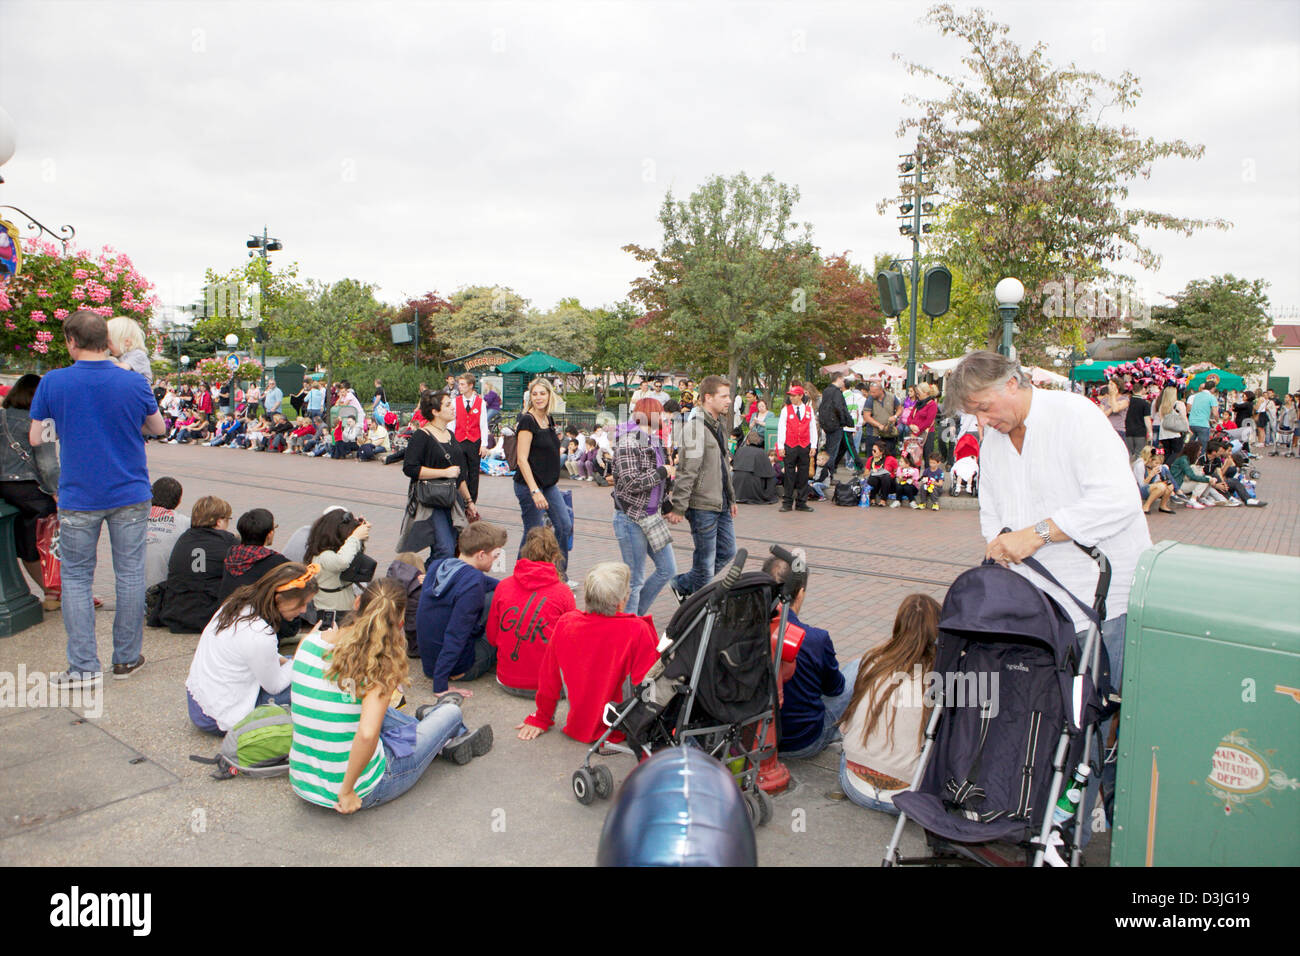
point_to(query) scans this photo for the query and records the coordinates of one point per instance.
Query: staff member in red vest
(796, 432)
(471, 428)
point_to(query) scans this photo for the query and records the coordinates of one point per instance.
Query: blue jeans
(634, 546)
(445, 536)
(835, 708)
(78, 542)
(1202, 434)
(859, 798)
(534, 517)
(714, 538)
(440, 725)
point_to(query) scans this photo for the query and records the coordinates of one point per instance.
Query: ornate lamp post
(1009, 293)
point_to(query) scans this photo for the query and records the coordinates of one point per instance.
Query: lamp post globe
(185, 360)
(1009, 293)
(232, 340)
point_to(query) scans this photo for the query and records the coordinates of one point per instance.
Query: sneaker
(1208, 504)
(449, 698)
(461, 750)
(935, 506)
(680, 595)
(914, 505)
(69, 680)
(1195, 505)
(894, 503)
(802, 507)
(1233, 503)
(1256, 503)
(123, 671)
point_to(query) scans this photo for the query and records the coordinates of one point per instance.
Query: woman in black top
(538, 471)
(431, 453)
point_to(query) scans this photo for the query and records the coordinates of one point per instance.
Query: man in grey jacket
(702, 492)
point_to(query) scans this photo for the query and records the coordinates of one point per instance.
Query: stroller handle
(1103, 573)
(729, 581)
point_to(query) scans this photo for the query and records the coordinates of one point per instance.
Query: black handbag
(437, 492)
(360, 571)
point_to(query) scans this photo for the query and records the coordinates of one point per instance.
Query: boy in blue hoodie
(453, 610)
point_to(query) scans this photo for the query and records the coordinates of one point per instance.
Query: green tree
(566, 331)
(483, 316)
(622, 343)
(733, 275)
(324, 326)
(253, 292)
(1223, 320)
(1035, 181)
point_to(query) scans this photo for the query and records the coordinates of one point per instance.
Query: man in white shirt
(1054, 471)
(796, 435)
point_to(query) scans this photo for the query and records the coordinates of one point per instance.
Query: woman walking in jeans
(641, 476)
(538, 471)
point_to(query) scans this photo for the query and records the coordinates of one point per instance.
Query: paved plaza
(119, 789)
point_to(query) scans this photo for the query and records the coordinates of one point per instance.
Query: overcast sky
(425, 146)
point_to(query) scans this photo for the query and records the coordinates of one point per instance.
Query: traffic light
(937, 291)
(893, 293)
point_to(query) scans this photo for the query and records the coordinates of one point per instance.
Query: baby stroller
(714, 686)
(983, 782)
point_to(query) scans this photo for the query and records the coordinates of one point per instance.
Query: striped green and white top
(325, 722)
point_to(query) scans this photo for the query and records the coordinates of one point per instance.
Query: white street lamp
(1009, 294)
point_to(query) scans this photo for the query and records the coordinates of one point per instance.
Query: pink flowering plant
(52, 286)
(216, 370)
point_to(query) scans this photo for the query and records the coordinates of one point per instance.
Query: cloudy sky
(434, 145)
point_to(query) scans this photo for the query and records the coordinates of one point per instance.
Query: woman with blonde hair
(1146, 469)
(538, 473)
(884, 724)
(126, 345)
(351, 751)
(1171, 438)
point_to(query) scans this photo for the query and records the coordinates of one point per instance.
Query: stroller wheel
(759, 805)
(584, 786)
(604, 781)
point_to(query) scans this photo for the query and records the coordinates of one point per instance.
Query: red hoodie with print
(522, 619)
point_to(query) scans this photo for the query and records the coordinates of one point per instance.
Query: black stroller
(992, 768)
(714, 686)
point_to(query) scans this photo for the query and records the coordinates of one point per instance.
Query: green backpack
(257, 746)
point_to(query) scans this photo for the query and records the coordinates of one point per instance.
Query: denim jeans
(714, 538)
(835, 708)
(859, 798)
(78, 543)
(445, 535)
(634, 547)
(440, 725)
(1202, 434)
(534, 517)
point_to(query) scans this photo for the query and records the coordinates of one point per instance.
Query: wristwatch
(1044, 531)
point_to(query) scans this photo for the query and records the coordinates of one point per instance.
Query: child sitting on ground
(822, 479)
(572, 458)
(778, 466)
(525, 609)
(587, 461)
(299, 436)
(932, 483)
(590, 655)
(907, 481)
(450, 621)
(884, 724)
(408, 570)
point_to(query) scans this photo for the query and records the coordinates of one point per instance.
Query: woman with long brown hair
(884, 724)
(237, 665)
(352, 751)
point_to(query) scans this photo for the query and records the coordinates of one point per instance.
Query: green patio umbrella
(539, 363)
(1093, 372)
(1228, 381)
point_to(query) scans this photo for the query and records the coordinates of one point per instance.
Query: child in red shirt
(590, 655)
(525, 610)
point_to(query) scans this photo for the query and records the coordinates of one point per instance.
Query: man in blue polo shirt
(96, 411)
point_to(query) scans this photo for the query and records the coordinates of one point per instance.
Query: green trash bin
(1209, 762)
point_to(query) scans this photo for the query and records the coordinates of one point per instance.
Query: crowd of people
(314, 626)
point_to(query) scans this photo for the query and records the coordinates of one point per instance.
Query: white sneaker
(68, 680)
(914, 505)
(894, 503)
(1234, 503)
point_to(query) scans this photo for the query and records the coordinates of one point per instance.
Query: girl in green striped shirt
(350, 749)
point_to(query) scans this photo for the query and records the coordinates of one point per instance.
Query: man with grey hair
(1054, 471)
(591, 655)
(879, 415)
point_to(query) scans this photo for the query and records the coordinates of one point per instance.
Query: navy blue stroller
(993, 765)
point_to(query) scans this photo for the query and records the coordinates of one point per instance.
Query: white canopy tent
(872, 368)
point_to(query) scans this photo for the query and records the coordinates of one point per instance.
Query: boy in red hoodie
(524, 612)
(590, 655)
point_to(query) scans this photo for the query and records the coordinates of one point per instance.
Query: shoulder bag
(437, 492)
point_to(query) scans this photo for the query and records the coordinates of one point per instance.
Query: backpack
(510, 445)
(848, 493)
(257, 746)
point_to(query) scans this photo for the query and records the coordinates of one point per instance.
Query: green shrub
(401, 382)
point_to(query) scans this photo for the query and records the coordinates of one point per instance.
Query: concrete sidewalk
(119, 789)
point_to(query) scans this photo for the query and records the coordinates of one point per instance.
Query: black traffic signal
(893, 293)
(937, 291)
